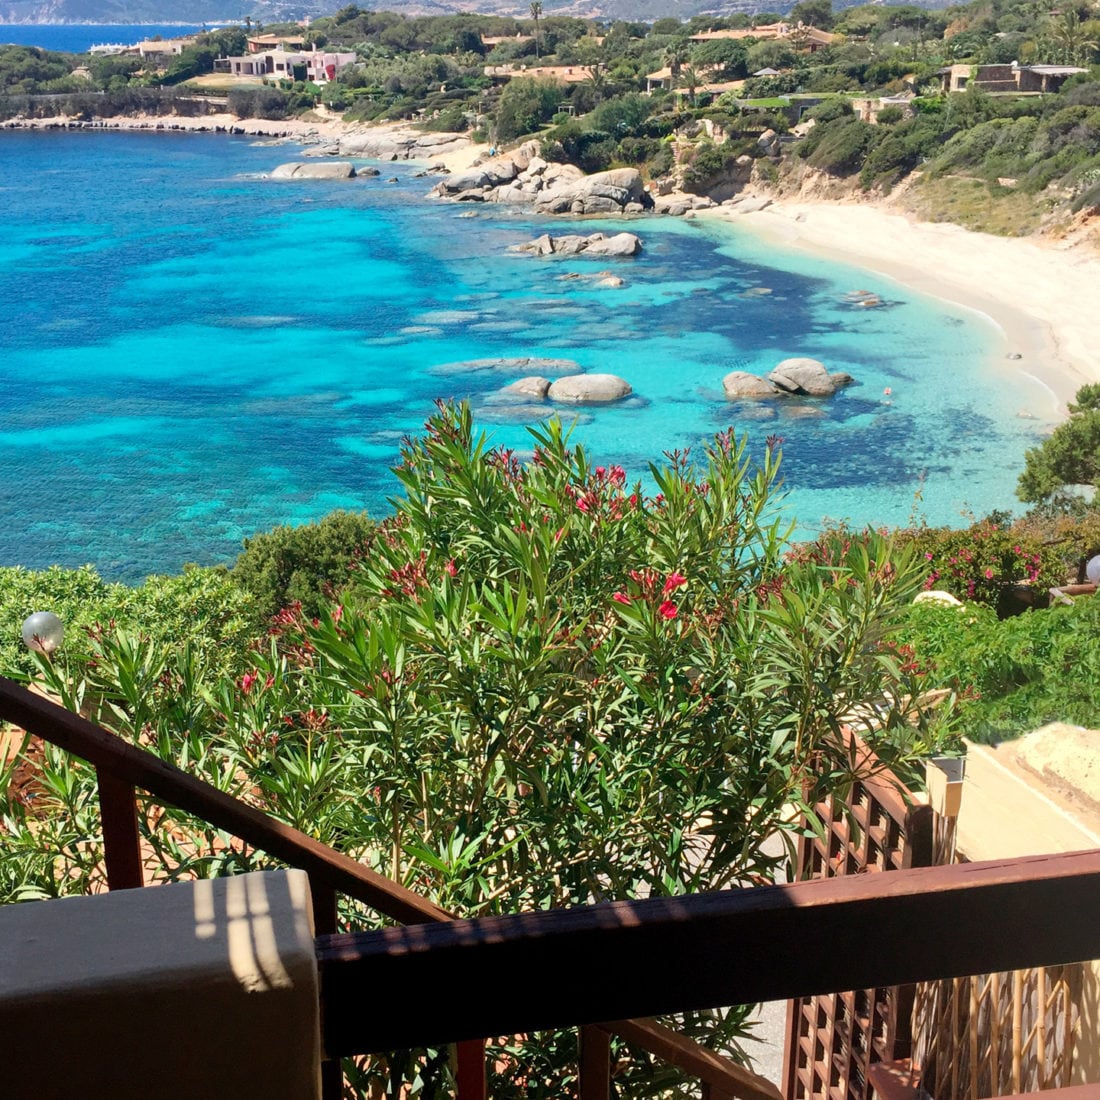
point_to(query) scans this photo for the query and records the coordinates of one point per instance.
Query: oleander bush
(540, 687)
(981, 561)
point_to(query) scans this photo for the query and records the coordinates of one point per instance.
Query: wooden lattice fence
(833, 1040)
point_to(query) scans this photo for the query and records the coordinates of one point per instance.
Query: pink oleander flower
(675, 580)
(667, 610)
(988, 574)
(247, 680)
(928, 554)
(337, 613)
(451, 569)
(621, 597)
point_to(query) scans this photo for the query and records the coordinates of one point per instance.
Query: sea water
(191, 353)
(81, 37)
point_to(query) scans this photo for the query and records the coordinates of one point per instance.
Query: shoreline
(1042, 301)
(1040, 298)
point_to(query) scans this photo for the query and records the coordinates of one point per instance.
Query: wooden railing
(122, 769)
(598, 963)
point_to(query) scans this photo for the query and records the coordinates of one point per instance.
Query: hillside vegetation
(686, 111)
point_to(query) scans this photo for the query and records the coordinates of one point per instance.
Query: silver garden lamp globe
(43, 632)
(1092, 570)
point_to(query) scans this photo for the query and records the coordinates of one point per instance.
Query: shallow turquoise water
(190, 353)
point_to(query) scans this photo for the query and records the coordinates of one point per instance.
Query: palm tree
(691, 81)
(1068, 38)
(536, 13)
(674, 57)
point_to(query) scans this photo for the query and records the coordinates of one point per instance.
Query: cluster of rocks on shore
(524, 178)
(793, 377)
(391, 145)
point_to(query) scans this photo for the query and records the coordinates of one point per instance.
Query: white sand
(1046, 300)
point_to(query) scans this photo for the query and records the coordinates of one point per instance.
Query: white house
(320, 66)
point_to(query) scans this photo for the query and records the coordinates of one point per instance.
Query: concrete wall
(1035, 796)
(180, 992)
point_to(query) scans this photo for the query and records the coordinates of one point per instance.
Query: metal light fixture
(1092, 570)
(43, 632)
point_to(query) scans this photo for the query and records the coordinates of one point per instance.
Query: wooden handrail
(122, 766)
(706, 1066)
(141, 768)
(604, 962)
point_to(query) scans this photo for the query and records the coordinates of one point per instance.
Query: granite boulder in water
(317, 170)
(589, 389)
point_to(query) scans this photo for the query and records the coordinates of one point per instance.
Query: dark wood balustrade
(123, 768)
(593, 966)
(602, 962)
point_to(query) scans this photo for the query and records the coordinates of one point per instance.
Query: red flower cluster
(410, 577)
(651, 589)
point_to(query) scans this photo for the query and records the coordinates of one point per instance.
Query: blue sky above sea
(191, 353)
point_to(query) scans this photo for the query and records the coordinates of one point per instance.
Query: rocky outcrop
(589, 389)
(679, 203)
(803, 376)
(792, 377)
(739, 383)
(616, 191)
(523, 178)
(572, 244)
(317, 170)
(534, 386)
(399, 145)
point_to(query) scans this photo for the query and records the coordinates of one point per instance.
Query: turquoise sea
(191, 353)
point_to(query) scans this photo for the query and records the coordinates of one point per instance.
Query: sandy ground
(1045, 300)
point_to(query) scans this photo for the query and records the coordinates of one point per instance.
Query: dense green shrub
(708, 161)
(1071, 456)
(200, 608)
(307, 565)
(271, 103)
(980, 562)
(838, 147)
(1013, 675)
(525, 104)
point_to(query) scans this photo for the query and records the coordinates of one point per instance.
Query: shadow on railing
(123, 768)
(663, 955)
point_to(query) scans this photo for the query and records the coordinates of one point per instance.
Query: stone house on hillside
(1007, 78)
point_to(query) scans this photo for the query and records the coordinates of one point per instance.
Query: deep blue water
(190, 353)
(81, 37)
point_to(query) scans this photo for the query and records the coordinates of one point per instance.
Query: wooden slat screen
(832, 1040)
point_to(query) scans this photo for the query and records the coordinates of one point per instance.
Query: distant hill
(198, 11)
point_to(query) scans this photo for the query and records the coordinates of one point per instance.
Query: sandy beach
(1045, 300)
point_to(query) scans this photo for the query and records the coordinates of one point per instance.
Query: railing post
(121, 839)
(323, 895)
(324, 906)
(332, 1079)
(595, 1075)
(471, 1070)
